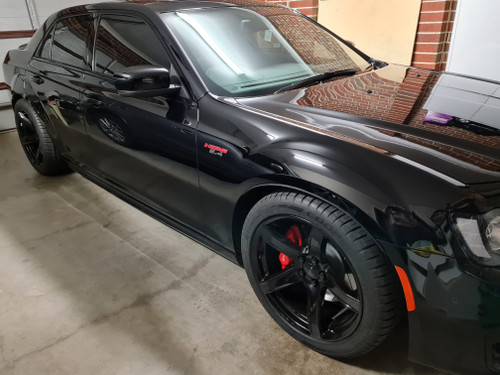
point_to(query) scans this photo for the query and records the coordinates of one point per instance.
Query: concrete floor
(6, 117)
(90, 285)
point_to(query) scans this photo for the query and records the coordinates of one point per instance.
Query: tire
(320, 275)
(36, 142)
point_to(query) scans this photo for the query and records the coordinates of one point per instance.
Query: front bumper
(456, 324)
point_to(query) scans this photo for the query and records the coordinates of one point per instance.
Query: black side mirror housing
(145, 80)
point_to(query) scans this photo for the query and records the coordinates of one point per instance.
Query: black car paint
(276, 143)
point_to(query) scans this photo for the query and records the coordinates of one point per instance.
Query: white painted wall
(383, 29)
(475, 42)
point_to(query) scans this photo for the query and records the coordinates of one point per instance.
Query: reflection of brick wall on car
(302, 37)
(399, 103)
(351, 95)
(482, 162)
(79, 26)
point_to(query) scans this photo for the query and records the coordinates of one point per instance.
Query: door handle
(37, 79)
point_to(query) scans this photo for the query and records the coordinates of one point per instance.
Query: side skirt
(154, 213)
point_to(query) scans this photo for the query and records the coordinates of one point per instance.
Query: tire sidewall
(24, 106)
(52, 163)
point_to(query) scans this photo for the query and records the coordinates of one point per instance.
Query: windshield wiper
(317, 79)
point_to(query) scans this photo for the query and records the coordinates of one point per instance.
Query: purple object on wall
(437, 118)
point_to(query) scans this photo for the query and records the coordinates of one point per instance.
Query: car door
(56, 74)
(144, 146)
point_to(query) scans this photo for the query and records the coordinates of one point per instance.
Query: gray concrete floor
(6, 117)
(90, 285)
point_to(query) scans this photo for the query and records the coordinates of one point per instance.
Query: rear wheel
(36, 142)
(319, 274)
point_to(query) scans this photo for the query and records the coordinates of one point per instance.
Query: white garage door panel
(475, 44)
(15, 23)
(14, 16)
(44, 8)
(13, 8)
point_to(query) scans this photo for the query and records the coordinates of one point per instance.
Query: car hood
(445, 122)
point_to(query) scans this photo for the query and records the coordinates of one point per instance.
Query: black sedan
(352, 191)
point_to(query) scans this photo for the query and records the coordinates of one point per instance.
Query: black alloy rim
(29, 138)
(304, 275)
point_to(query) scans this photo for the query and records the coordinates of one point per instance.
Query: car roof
(167, 5)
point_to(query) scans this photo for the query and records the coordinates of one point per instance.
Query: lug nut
(315, 283)
(301, 272)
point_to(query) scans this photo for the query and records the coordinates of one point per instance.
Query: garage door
(475, 43)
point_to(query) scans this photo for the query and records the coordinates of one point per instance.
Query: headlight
(481, 237)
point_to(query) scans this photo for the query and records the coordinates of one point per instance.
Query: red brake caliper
(294, 236)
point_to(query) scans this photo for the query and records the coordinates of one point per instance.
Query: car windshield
(256, 51)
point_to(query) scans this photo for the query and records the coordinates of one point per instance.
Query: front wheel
(319, 274)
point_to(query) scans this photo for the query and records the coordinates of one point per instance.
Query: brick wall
(307, 7)
(306, 41)
(433, 34)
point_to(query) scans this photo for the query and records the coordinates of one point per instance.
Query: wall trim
(16, 34)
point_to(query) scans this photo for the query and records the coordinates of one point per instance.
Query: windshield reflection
(246, 52)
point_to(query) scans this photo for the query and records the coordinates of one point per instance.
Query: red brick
(420, 58)
(425, 66)
(431, 27)
(302, 4)
(435, 6)
(433, 17)
(420, 47)
(428, 38)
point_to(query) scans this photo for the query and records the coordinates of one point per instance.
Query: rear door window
(69, 42)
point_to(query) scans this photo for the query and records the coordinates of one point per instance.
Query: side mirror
(144, 80)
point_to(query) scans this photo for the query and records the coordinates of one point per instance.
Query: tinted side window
(69, 43)
(124, 41)
(47, 47)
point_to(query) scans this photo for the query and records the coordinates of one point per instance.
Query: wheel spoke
(345, 299)
(281, 280)
(315, 243)
(336, 262)
(280, 242)
(28, 140)
(315, 298)
(342, 311)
